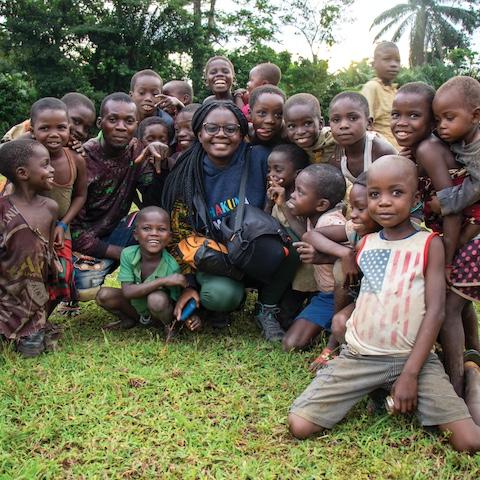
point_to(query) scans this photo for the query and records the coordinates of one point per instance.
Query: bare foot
(193, 323)
(123, 323)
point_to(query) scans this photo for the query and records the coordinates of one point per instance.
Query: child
(457, 101)
(149, 275)
(285, 162)
(318, 190)
(50, 127)
(154, 129)
(304, 127)
(261, 74)
(81, 115)
(266, 104)
(219, 76)
(145, 89)
(380, 91)
(27, 222)
(184, 135)
(175, 95)
(349, 121)
(396, 320)
(331, 240)
(412, 124)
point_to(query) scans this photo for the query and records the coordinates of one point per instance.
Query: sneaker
(266, 319)
(31, 346)
(145, 320)
(69, 309)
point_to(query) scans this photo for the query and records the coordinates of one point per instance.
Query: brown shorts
(349, 377)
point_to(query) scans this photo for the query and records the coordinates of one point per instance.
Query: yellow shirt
(380, 99)
(324, 147)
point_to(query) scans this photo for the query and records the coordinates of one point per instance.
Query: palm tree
(433, 26)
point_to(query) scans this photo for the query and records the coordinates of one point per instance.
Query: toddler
(154, 129)
(184, 135)
(318, 191)
(397, 317)
(380, 91)
(27, 222)
(266, 104)
(149, 275)
(304, 127)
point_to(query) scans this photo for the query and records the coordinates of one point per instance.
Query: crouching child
(150, 278)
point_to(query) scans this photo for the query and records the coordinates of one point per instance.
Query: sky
(355, 40)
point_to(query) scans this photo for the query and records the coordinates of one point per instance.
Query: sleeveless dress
(64, 288)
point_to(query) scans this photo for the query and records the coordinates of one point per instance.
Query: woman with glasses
(203, 189)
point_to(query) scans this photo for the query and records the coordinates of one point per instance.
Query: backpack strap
(241, 194)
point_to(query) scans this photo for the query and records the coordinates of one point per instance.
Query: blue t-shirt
(222, 185)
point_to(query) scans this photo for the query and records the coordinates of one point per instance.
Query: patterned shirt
(391, 305)
(112, 185)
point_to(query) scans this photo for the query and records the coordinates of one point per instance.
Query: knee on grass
(106, 297)
(158, 304)
(292, 342)
(301, 428)
(339, 326)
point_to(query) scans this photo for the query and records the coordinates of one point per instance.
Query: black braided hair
(185, 181)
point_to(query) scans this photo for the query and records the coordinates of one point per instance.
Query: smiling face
(267, 116)
(118, 123)
(411, 119)
(81, 119)
(38, 171)
(348, 122)
(303, 125)
(363, 223)
(152, 232)
(144, 94)
(455, 119)
(219, 77)
(387, 63)
(183, 130)
(51, 129)
(392, 191)
(220, 146)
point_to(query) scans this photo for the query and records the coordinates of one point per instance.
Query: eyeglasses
(229, 129)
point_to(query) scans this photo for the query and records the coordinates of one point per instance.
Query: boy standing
(27, 222)
(380, 91)
(398, 314)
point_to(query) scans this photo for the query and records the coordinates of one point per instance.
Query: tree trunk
(197, 47)
(417, 39)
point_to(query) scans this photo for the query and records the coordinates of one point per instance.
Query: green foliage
(434, 74)
(17, 94)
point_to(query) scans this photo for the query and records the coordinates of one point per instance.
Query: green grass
(125, 405)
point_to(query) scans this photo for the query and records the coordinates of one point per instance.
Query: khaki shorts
(349, 377)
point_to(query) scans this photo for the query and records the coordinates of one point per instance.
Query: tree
(433, 26)
(315, 20)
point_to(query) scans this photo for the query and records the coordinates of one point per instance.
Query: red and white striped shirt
(391, 305)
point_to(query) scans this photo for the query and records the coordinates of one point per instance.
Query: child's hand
(157, 154)
(77, 146)
(170, 104)
(175, 280)
(404, 393)
(58, 237)
(406, 152)
(306, 252)
(276, 193)
(186, 295)
(350, 269)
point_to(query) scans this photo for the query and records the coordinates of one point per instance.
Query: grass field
(125, 405)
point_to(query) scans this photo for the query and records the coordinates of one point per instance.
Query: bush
(17, 93)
